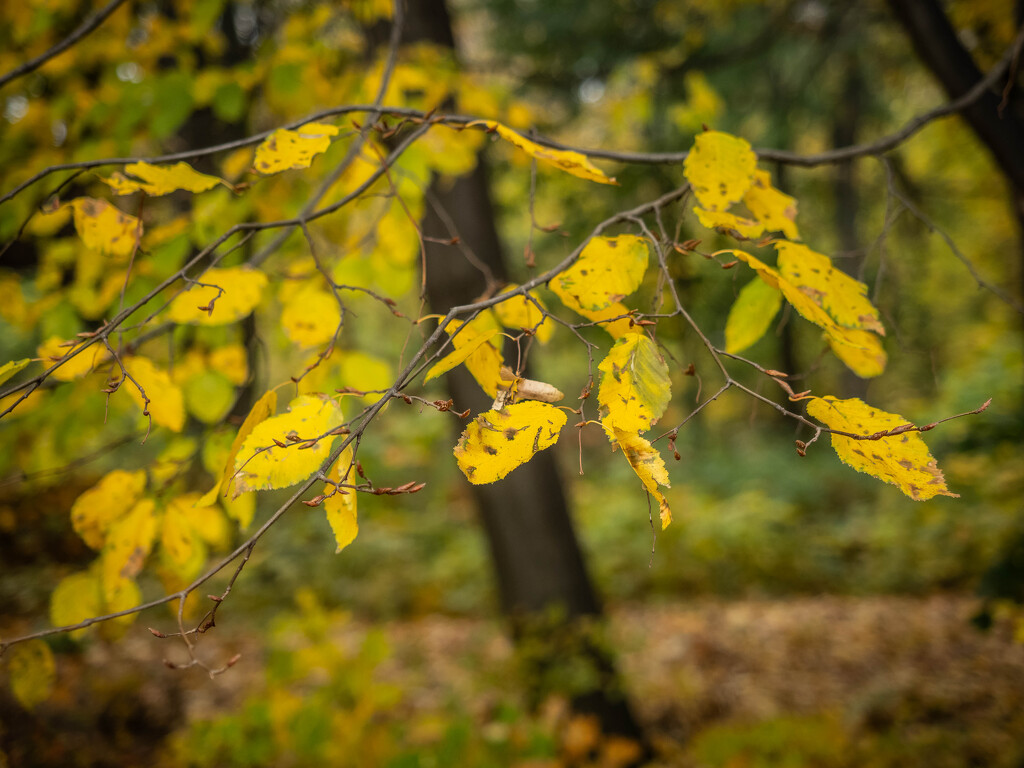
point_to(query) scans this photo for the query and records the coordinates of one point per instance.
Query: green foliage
(326, 697)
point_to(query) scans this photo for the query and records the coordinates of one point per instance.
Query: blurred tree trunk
(542, 578)
(939, 48)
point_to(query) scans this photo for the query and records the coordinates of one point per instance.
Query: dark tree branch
(941, 51)
(83, 29)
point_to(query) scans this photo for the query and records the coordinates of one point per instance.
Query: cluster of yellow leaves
(116, 518)
(635, 390)
(722, 169)
(821, 294)
(901, 459)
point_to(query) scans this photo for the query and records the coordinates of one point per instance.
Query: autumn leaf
(95, 509)
(865, 358)
(104, 228)
(460, 353)
(186, 530)
(520, 312)
(261, 410)
(54, 349)
(310, 318)
(474, 347)
(901, 459)
(751, 315)
(720, 168)
(127, 545)
(285, 149)
(157, 180)
(843, 297)
(860, 351)
(616, 328)
(219, 296)
(32, 672)
(607, 270)
(635, 387)
(729, 223)
(340, 504)
(775, 210)
(7, 370)
(569, 161)
(287, 449)
(496, 442)
(648, 465)
(231, 361)
(166, 402)
(76, 598)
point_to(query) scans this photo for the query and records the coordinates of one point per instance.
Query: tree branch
(87, 26)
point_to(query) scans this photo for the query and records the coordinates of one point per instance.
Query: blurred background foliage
(341, 675)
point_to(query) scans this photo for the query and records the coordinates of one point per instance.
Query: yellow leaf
(10, 369)
(95, 509)
(176, 535)
(308, 419)
(496, 442)
(156, 180)
(124, 596)
(233, 293)
(207, 521)
(902, 459)
(341, 506)
(483, 360)
(729, 223)
(519, 312)
(615, 328)
(720, 167)
(285, 149)
(260, 411)
(751, 314)
(76, 598)
(648, 465)
(240, 509)
(608, 270)
(861, 351)
(209, 396)
(32, 672)
(167, 403)
(127, 546)
(311, 318)
(774, 209)
(635, 388)
(865, 356)
(232, 362)
(53, 350)
(364, 372)
(183, 547)
(104, 228)
(569, 161)
(460, 354)
(844, 298)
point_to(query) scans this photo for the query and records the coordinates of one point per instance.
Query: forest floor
(809, 681)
